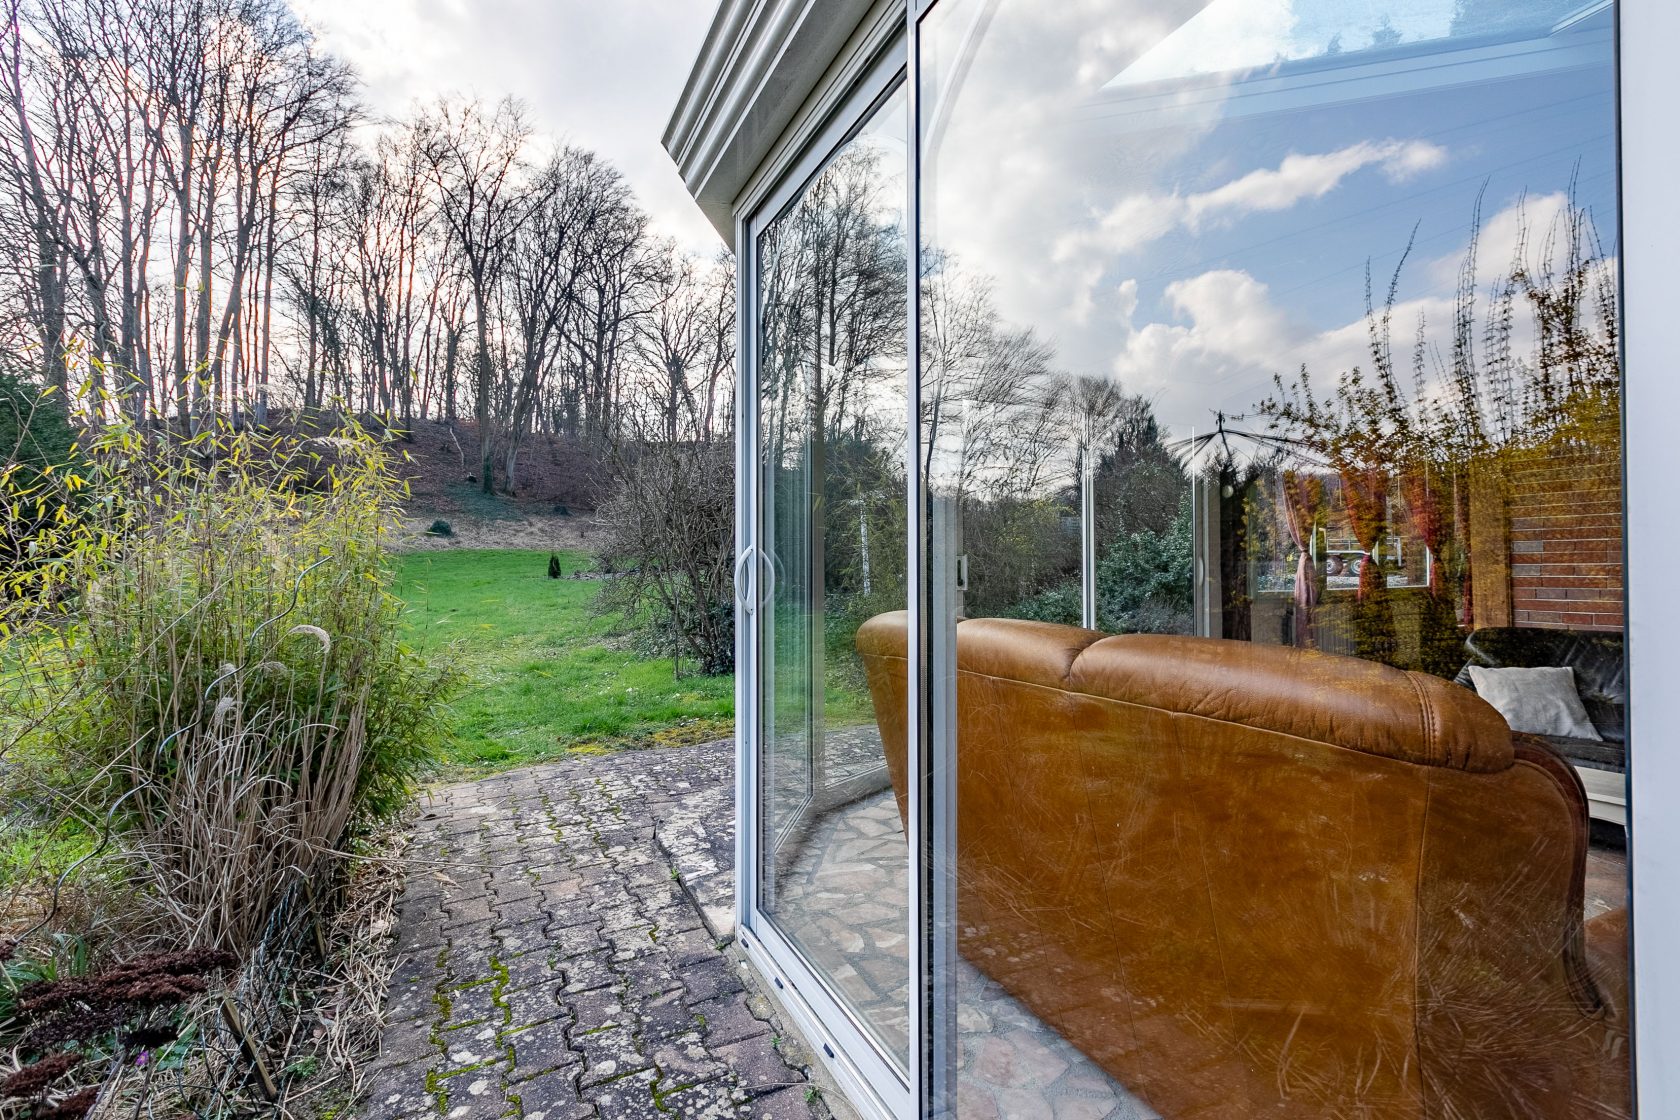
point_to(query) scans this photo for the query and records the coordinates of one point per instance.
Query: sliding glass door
(1271, 413)
(829, 886)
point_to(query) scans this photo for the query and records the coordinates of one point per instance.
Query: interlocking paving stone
(542, 1049)
(758, 1065)
(552, 962)
(729, 1019)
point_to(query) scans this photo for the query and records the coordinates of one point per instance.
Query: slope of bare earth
(556, 486)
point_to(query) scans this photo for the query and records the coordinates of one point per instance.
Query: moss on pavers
(581, 982)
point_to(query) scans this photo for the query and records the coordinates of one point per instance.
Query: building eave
(760, 61)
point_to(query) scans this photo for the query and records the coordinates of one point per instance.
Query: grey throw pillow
(1539, 701)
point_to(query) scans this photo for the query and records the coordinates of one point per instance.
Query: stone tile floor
(843, 894)
(551, 965)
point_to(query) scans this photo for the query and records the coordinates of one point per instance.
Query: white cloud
(1088, 250)
(1226, 322)
(602, 76)
(1226, 337)
(1524, 223)
(1301, 177)
(1222, 335)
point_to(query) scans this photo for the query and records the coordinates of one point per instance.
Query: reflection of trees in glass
(1143, 582)
(1008, 436)
(1142, 499)
(1471, 412)
(990, 442)
(1140, 482)
(831, 371)
(985, 426)
(831, 318)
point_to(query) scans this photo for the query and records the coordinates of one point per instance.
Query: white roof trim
(760, 62)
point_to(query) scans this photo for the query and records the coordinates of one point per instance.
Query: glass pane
(1298, 319)
(832, 407)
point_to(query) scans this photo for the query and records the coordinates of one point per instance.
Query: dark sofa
(1600, 678)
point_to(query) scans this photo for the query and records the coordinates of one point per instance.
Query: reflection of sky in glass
(1241, 34)
(1194, 238)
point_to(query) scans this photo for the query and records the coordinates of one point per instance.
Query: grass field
(545, 675)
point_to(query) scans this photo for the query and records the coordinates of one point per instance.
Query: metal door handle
(743, 592)
(767, 585)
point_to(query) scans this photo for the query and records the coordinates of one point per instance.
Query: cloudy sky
(603, 76)
(1193, 235)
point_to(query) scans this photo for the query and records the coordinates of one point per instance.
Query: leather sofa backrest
(1334, 700)
(1253, 881)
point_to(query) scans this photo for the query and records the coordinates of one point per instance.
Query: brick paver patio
(551, 964)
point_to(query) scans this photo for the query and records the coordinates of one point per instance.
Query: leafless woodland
(200, 219)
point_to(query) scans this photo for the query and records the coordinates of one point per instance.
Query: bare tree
(474, 156)
(685, 347)
(42, 212)
(191, 223)
(575, 193)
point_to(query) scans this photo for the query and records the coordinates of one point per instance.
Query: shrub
(1144, 583)
(1145, 580)
(226, 676)
(669, 533)
(36, 441)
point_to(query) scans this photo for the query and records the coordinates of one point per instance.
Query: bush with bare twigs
(669, 540)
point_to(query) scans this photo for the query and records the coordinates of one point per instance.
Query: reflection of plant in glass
(1143, 583)
(1564, 391)
(1468, 414)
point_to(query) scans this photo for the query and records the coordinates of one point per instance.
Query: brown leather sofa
(1252, 881)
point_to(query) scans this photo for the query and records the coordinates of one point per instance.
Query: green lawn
(545, 675)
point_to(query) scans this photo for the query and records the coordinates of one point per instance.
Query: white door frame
(1649, 93)
(873, 1083)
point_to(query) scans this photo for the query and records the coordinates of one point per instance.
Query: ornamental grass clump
(215, 656)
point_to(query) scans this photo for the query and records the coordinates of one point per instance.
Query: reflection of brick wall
(1565, 525)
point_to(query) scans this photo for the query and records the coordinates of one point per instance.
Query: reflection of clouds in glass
(1228, 339)
(1301, 177)
(1518, 226)
(1142, 218)
(1067, 50)
(1006, 174)
(1246, 227)
(1228, 334)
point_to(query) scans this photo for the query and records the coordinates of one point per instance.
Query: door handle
(743, 589)
(767, 584)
